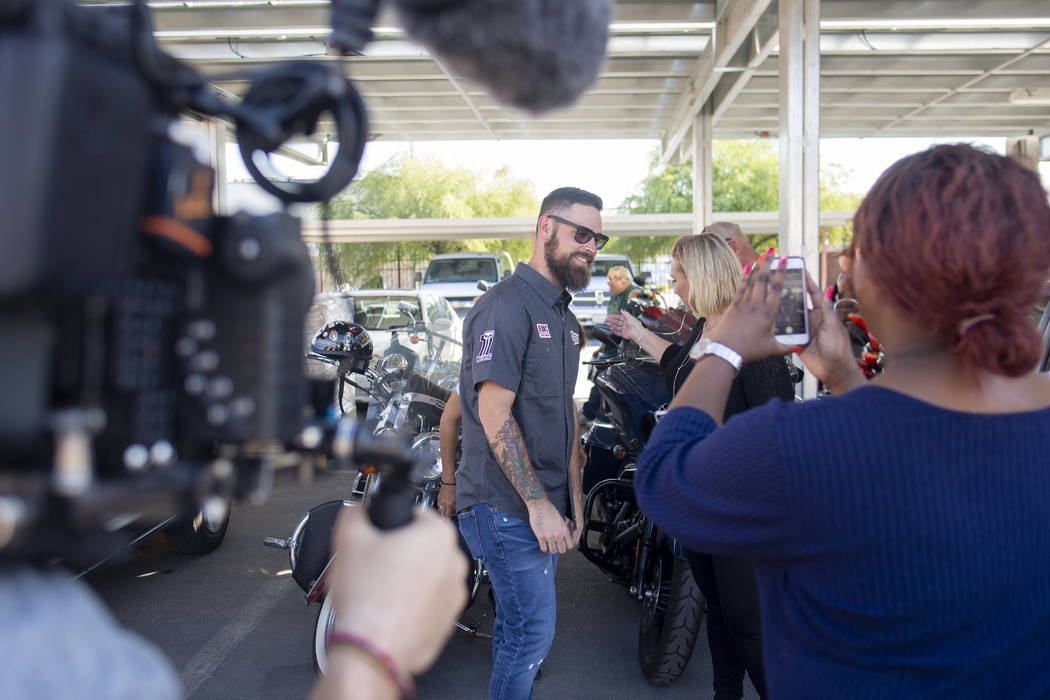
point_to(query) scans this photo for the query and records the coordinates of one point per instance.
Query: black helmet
(344, 341)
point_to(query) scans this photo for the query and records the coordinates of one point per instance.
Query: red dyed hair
(952, 233)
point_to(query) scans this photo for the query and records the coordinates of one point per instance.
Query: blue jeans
(522, 580)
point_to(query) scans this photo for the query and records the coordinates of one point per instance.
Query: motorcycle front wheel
(198, 533)
(672, 606)
(325, 622)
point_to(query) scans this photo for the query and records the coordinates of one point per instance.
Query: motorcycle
(406, 408)
(439, 361)
(617, 536)
(867, 350)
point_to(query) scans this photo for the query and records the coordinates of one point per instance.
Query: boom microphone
(533, 54)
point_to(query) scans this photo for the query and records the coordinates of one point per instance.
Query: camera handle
(289, 100)
(392, 503)
(291, 97)
(283, 102)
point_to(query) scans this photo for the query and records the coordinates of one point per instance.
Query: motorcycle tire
(197, 534)
(325, 621)
(672, 607)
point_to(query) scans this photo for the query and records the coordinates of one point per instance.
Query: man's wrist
(537, 503)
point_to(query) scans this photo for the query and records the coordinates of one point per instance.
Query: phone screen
(791, 318)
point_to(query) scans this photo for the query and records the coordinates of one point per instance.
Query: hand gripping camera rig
(150, 350)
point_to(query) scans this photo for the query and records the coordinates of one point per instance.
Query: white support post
(1025, 150)
(800, 137)
(811, 139)
(220, 136)
(703, 193)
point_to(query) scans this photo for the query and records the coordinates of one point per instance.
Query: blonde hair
(712, 269)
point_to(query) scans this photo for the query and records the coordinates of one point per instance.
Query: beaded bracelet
(379, 657)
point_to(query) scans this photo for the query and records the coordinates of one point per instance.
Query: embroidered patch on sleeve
(575, 337)
(543, 330)
(485, 349)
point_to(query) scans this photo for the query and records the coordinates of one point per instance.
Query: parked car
(416, 323)
(455, 276)
(590, 305)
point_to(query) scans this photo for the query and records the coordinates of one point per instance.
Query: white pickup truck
(591, 305)
(455, 276)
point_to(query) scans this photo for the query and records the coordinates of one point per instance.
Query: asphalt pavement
(236, 626)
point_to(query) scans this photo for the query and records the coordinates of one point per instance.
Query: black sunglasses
(583, 234)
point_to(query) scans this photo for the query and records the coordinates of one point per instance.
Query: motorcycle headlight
(429, 443)
(393, 365)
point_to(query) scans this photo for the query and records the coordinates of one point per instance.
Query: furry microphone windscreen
(533, 54)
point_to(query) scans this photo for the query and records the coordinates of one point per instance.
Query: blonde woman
(706, 275)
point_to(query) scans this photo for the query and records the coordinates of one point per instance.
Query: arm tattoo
(509, 448)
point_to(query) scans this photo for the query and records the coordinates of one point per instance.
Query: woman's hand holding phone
(747, 326)
(791, 326)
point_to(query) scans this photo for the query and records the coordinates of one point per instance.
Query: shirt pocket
(542, 375)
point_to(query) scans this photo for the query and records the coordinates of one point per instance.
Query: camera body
(146, 344)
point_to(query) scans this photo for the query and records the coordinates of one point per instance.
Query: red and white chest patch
(543, 330)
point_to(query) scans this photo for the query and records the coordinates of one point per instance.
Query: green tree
(410, 187)
(745, 177)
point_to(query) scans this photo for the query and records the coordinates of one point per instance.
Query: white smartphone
(792, 324)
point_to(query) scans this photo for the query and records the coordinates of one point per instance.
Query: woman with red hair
(901, 528)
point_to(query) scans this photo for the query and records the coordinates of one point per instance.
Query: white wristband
(710, 347)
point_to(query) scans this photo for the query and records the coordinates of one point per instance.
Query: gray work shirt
(521, 335)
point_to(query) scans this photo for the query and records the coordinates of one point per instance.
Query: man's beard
(570, 276)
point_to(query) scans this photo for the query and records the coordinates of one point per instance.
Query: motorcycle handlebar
(620, 359)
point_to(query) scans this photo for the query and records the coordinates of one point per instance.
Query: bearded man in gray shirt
(519, 490)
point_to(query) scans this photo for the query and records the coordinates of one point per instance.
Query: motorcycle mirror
(408, 308)
(441, 325)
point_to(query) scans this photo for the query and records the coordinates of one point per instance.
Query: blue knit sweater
(902, 550)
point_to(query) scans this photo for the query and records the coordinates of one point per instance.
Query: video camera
(151, 351)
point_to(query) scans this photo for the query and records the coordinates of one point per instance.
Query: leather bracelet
(447, 483)
(377, 656)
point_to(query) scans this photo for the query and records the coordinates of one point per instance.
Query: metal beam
(393, 230)
(755, 52)
(968, 84)
(866, 13)
(734, 24)
(466, 97)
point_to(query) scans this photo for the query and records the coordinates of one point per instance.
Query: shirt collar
(551, 295)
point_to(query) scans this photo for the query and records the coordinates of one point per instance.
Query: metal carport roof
(888, 68)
